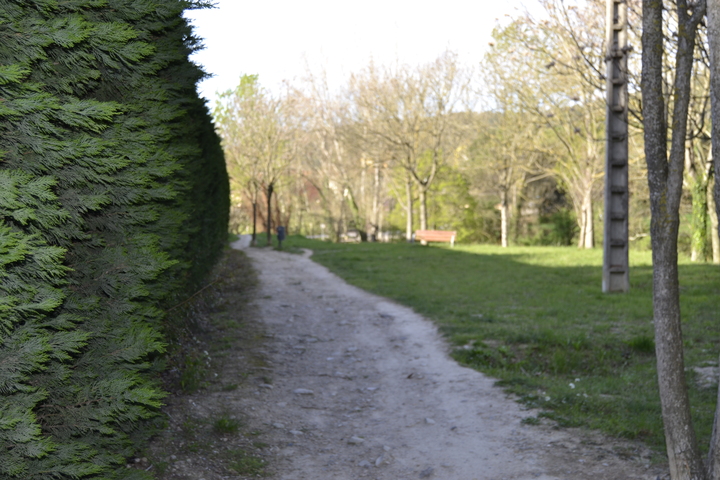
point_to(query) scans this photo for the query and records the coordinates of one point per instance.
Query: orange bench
(436, 236)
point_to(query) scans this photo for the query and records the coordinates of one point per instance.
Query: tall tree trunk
(409, 210)
(517, 210)
(590, 237)
(713, 27)
(357, 221)
(253, 241)
(698, 195)
(665, 183)
(381, 218)
(374, 230)
(587, 226)
(269, 214)
(504, 218)
(422, 200)
(581, 225)
(682, 448)
(339, 225)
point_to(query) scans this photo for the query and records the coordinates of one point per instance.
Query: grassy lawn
(535, 318)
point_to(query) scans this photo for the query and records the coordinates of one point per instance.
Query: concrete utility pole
(616, 271)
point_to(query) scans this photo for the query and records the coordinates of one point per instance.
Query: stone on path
(303, 391)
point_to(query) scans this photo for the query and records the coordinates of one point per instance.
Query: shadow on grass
(536, 319)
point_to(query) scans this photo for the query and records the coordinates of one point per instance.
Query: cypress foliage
(114, 205)
(202, 183)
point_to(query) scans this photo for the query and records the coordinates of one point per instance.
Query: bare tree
(503, 159)
(257, 139)
(334, 156)
(698, 159)
(410, 112)
(553, 69)
(665, 176)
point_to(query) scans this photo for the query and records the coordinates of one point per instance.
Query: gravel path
(364, 388)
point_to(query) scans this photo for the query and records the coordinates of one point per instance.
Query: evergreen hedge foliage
(114, 206)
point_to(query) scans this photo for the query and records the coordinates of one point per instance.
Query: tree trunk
(356, 219)
(269, 214)
(504, 218)
(253, 241)
(423, 207)
(409, 211)
(374, 230)
(665, 176)
(517, 210)
(713, 460)
(713, 33)
(682, 449)
(697, 179)
(590, 238)
(587, 227)
(698, 195)
(422, 200)
(713, 215)
(381, 217)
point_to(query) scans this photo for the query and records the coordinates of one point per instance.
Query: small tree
(551, 69)
(256, 138)
(410, 111)
(665, 176)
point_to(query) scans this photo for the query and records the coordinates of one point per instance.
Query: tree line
(114, 207)
(508, 151)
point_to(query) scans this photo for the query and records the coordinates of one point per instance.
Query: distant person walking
(280, 236)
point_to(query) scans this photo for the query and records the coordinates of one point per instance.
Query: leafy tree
(411, 112)
(256, 139)
(552, 69)
(503, 158)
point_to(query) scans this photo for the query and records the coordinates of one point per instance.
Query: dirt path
(360, 387)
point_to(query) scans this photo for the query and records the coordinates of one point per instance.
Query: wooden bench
(351, 236)
(436, 236)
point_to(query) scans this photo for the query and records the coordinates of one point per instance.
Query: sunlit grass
(536, 319)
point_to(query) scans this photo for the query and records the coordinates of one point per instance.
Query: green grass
(535, 318)
(248, 464)
(226, 425)
(193, 374)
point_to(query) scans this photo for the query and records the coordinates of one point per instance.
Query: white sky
(278, 39)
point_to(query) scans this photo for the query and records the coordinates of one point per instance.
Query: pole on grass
(616, 271)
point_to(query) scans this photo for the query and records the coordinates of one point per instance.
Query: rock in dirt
(383, 459)
(427, 472)
(303, 391)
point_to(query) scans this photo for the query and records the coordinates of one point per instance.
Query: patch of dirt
(318, 380)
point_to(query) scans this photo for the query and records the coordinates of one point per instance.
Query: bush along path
(321, 380)
(114, 208)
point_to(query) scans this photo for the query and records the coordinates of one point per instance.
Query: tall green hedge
(113, 206)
